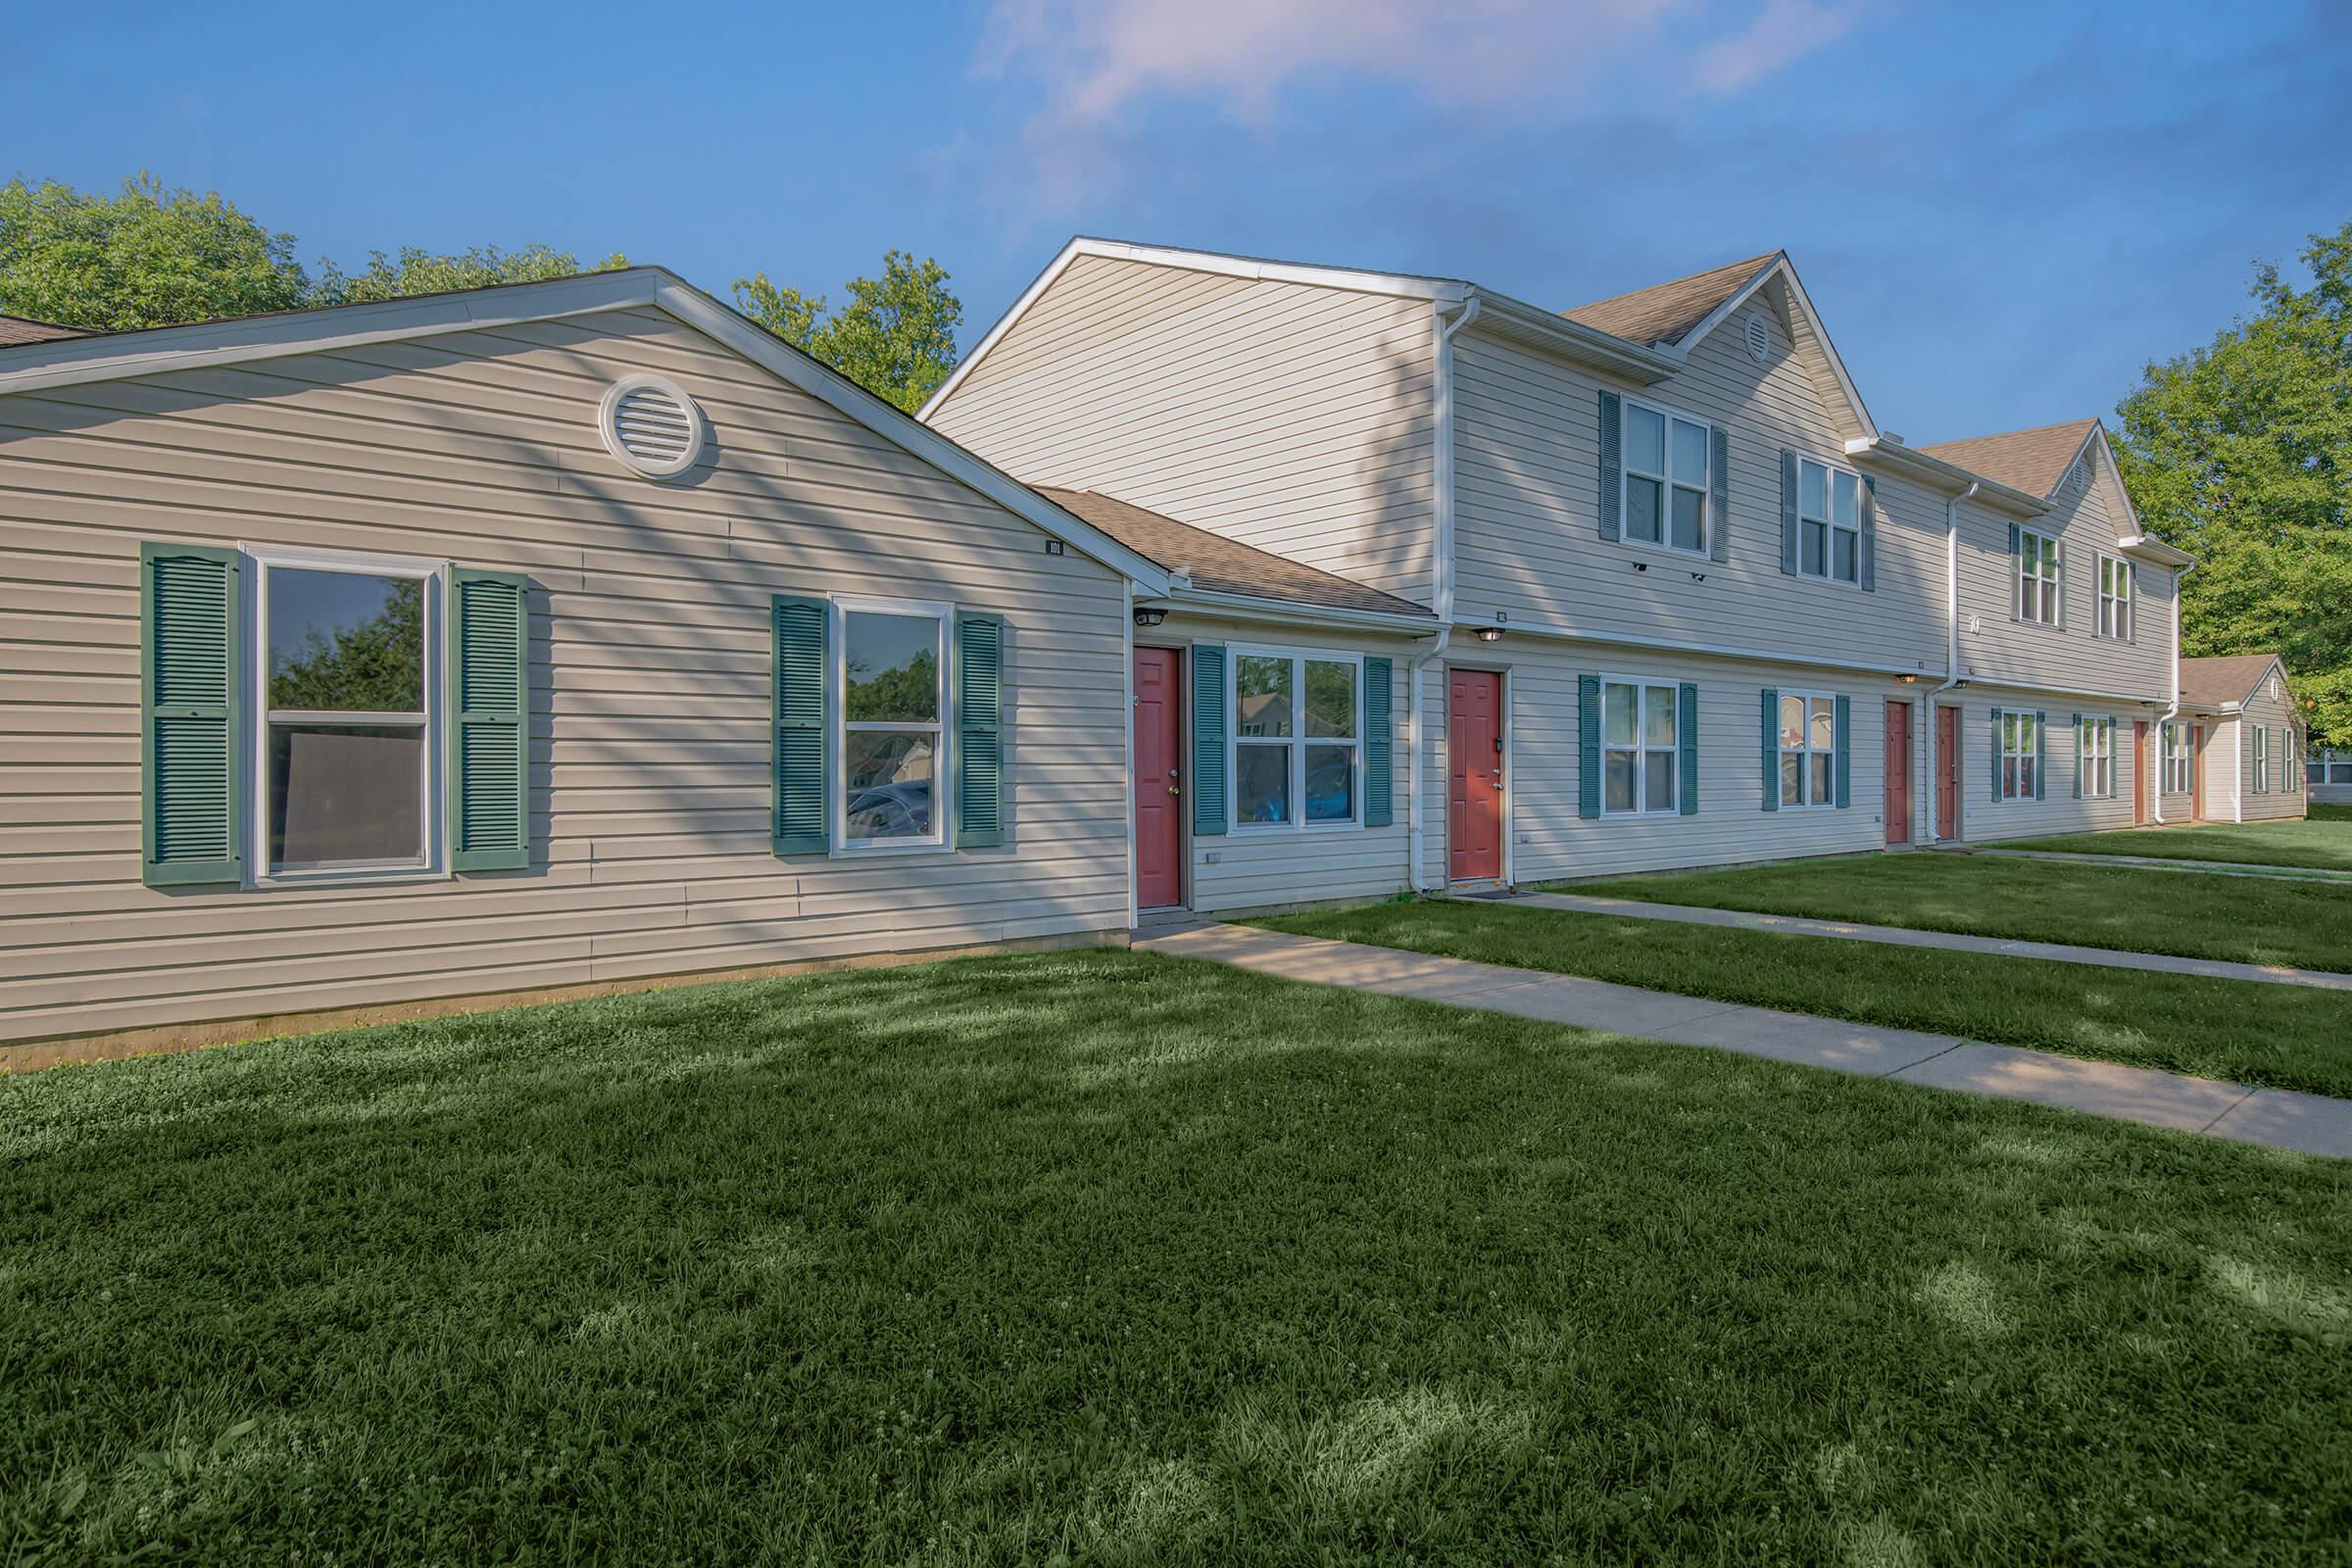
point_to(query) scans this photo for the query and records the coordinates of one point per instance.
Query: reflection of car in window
(890, 812)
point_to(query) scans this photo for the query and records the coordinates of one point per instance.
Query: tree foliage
(895, 337)
(143, 257)
(411, 271)
(375, 665)
(2241, 453)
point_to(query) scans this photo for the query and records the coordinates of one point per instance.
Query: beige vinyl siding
(1244, 870)
(1289, 415)
(649, 673)
(2273, 710)
(1984, 820)
(1528, 473)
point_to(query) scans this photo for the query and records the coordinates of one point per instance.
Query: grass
(2322, 843)
(1110, 1259)
(2287, 1036)
(2130, 908)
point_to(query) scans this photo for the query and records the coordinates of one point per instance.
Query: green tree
(145, 257)
(374, 665)
(411, 271)
(895, 337)
(2241, 453)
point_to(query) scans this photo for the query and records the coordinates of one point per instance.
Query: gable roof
(1667, 313)
(2229, 680)
(85, 357)
(1225, 565)
(2032, 460)
(16, 329)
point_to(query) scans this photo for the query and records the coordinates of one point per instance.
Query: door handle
(1172, 790)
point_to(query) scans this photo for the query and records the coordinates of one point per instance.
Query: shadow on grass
(1130, 1259)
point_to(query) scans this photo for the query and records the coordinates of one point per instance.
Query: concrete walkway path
(2157, 863)
(1952, 941)
(2276, 1117)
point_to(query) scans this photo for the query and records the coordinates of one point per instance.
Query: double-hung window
(347, 767)
(1640, 767)
(2115, 598)
(1297, 739)
(1808, 750)
(1666, 479)
(2021, 755)
(2262, 760)
(1829, 522)
(893, 748)
(2289, 773)
(2036, 577)
(2097, 759)
(2177, 759)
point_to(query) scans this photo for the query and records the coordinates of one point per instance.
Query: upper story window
(1640, 740)
(1297, 739)
(892, 702)
(1829, 520)
(2115, 598)
(2036, 577)
(1666, 479)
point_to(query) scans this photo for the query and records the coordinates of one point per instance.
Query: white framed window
(347, 684)
(2096, 758)
(2115, 598)
(890, 730)
(2179, 761)
(2021, 755)
(1808, 749)
(2036, 577)
(1640, 767)
(1829, 522)
(1667, 478)
(2289, 776)
(1297, 739)
(2262, 760)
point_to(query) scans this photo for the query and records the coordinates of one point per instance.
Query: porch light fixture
(1144, 616)
(1489, 634)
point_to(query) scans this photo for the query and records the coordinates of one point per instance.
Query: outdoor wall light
(1147, 616)
(1489, 634)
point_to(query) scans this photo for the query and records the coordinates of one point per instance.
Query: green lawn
(2287, 1036)
(2305, 925)
(2323, 843)
(1104, 1257)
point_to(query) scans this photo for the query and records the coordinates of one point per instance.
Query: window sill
(882, 849)
(281, 881)
(1262, 829)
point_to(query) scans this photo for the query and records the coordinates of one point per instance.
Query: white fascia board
(1503, 316)
(1947, 478)
(763, 348)
(112, 356)
(1980, 682)
(1248, 607)
(2155, 551)
(1395, 284)
(1668, 645)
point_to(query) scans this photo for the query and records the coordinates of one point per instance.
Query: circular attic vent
(651, 424)
(1759, 339)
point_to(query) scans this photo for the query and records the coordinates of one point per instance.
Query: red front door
(1898, 772)
(1158, 779)
(1474, 758)
(2140, 773)
(1947, 772)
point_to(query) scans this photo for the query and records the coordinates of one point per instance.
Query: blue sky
(2003, 210)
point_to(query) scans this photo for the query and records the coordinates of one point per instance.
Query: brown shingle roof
(1665, 313)
(22, 329)
(2211, 682)
(1219, 563)
(2032, 461)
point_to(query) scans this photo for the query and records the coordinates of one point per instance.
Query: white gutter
(1127, 743)
(1416, 875)
(1442, 411)
(2172, 709)
(2237, 771)
(1951, 645)
(1248, 607)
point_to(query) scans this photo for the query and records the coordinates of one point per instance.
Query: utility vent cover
(2075, 477)
(1759, 339)
(652, 425)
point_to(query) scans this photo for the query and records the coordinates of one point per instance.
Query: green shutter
(1996, 756)
(1719, 535)
(1870, 534)
(1208, 738)
(798, 818)
(1587, 746)
(979, 692)
(1380, 784)
(1685, 709)
(1612, 466)
(2077, 756)
(2041, 753)
(1787, 514)
(489, 735)
(191, 745)
(2017, 608)
(1771, 748)
(1844, 741)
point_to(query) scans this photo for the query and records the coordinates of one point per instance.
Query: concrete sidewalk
(2275, 1117)
(1952, 940)
(2157, 863)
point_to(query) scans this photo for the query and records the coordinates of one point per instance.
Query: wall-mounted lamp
(1489, 634)
(1640, 565)
(1908, 680)
(1146, 615)
(1698, 576)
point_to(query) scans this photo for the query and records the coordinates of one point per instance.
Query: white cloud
(1785, 32)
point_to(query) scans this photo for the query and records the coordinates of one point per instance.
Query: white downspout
(2172, 706)
(2238, 768)
(1951, 645)
(1441, 591)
